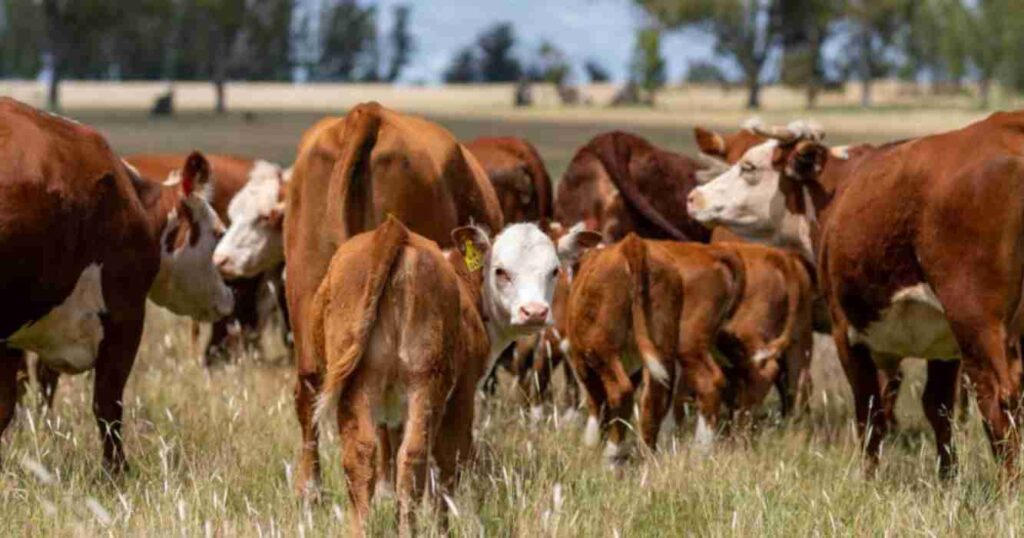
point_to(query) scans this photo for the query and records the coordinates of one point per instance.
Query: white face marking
(254, 242)
(914, 325)
(704, 438)
(592, 432)
(188, 283)
(68, 337)
(745, 198)
(520, 278)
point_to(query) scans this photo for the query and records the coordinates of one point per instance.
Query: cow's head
(520, 270)
(728, 148)
(759, 195)
(188, 283)
(254, 242)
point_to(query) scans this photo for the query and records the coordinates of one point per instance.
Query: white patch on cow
(657, 369)
(68, 337)
(536, 413)
(704, 438)
(762, 355)
(613, 451)
(188, 283)
(592, 432)
(913, 325)
(253, 244)
(840, 152)
(565, 347)
(529, 259)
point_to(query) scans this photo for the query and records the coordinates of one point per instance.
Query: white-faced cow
(919, 251)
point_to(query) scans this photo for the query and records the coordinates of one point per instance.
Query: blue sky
(600, 29)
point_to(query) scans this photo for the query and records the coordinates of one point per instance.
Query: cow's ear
(574, 244)
(709, 142)
(195, 174)
(473, 244)
(806, 161)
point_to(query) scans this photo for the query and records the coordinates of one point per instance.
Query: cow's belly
(68, 337)
(913, 325)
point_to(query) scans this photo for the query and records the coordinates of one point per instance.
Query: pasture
(211, 450)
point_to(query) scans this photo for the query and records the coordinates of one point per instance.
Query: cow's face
(763, 192)
(520, 271)
(254, 242)
(188, 283)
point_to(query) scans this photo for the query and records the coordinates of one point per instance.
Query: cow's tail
(736, 276)
(362, 125)
(389, 240)
(614, 156)
(635, 251)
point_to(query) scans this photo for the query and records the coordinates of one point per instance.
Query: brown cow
(620, 183)
(402, 334)
(919, 252)
(520, 179)
(87, 240)
(350, 173)
(641, 307)
(231, 175)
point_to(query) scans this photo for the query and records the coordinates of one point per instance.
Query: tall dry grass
(212, 454)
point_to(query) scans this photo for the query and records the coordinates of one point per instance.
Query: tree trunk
(985, 91)
(865, 91)
(219, 74)
(754, 93)
(53, 96)
(812, 93)
(865, 69)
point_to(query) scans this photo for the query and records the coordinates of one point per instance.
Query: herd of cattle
(410, 265)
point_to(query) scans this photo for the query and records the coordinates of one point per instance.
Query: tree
(402, 43)
(596, 72)
(550, 65)
(348, 42)
(463, 68)
(21, 46)
(496, 61)
(744, 30)
(705, 72)
(647, 69)
(875, 27)
(73, 30)
(806, 25)
(991, 26)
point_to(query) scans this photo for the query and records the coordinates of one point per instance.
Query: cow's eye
(554, 274)
(747, 168)
(502, 275)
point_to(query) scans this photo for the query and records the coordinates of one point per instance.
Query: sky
(583, 29)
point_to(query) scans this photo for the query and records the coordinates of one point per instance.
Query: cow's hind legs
(359, 443)
(939, 399)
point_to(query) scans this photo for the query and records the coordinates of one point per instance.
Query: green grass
(212, 451)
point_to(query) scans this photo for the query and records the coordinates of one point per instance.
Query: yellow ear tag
(474, 259)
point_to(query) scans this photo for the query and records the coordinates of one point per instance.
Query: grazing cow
(920, 253)
(86, 241)
(248, 196)
(520, 179)
(637, 308)
(402, 333)
(620, 183)
(349, 175)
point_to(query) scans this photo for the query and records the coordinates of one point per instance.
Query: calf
(918, 250)
(92, 240)
(637, 308)
(403, 333)
(349, 175)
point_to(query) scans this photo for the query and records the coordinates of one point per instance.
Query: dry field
(211, 451)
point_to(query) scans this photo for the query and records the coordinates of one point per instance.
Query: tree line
(215, 40)
(945, 43)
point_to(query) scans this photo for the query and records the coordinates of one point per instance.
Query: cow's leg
(939, 398)
(307, 474)
(596, 398)
(890, 379)
(47, 378)
(121, 335)
(385, 469)
(11, 361)
(453, 447)
(282, 303)
(359, 443)
(540, 374)
(705, 380)
(423, 406)
(619, 392)
(654, 405)
(218, 348)
(796, 374)
(863, 376)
